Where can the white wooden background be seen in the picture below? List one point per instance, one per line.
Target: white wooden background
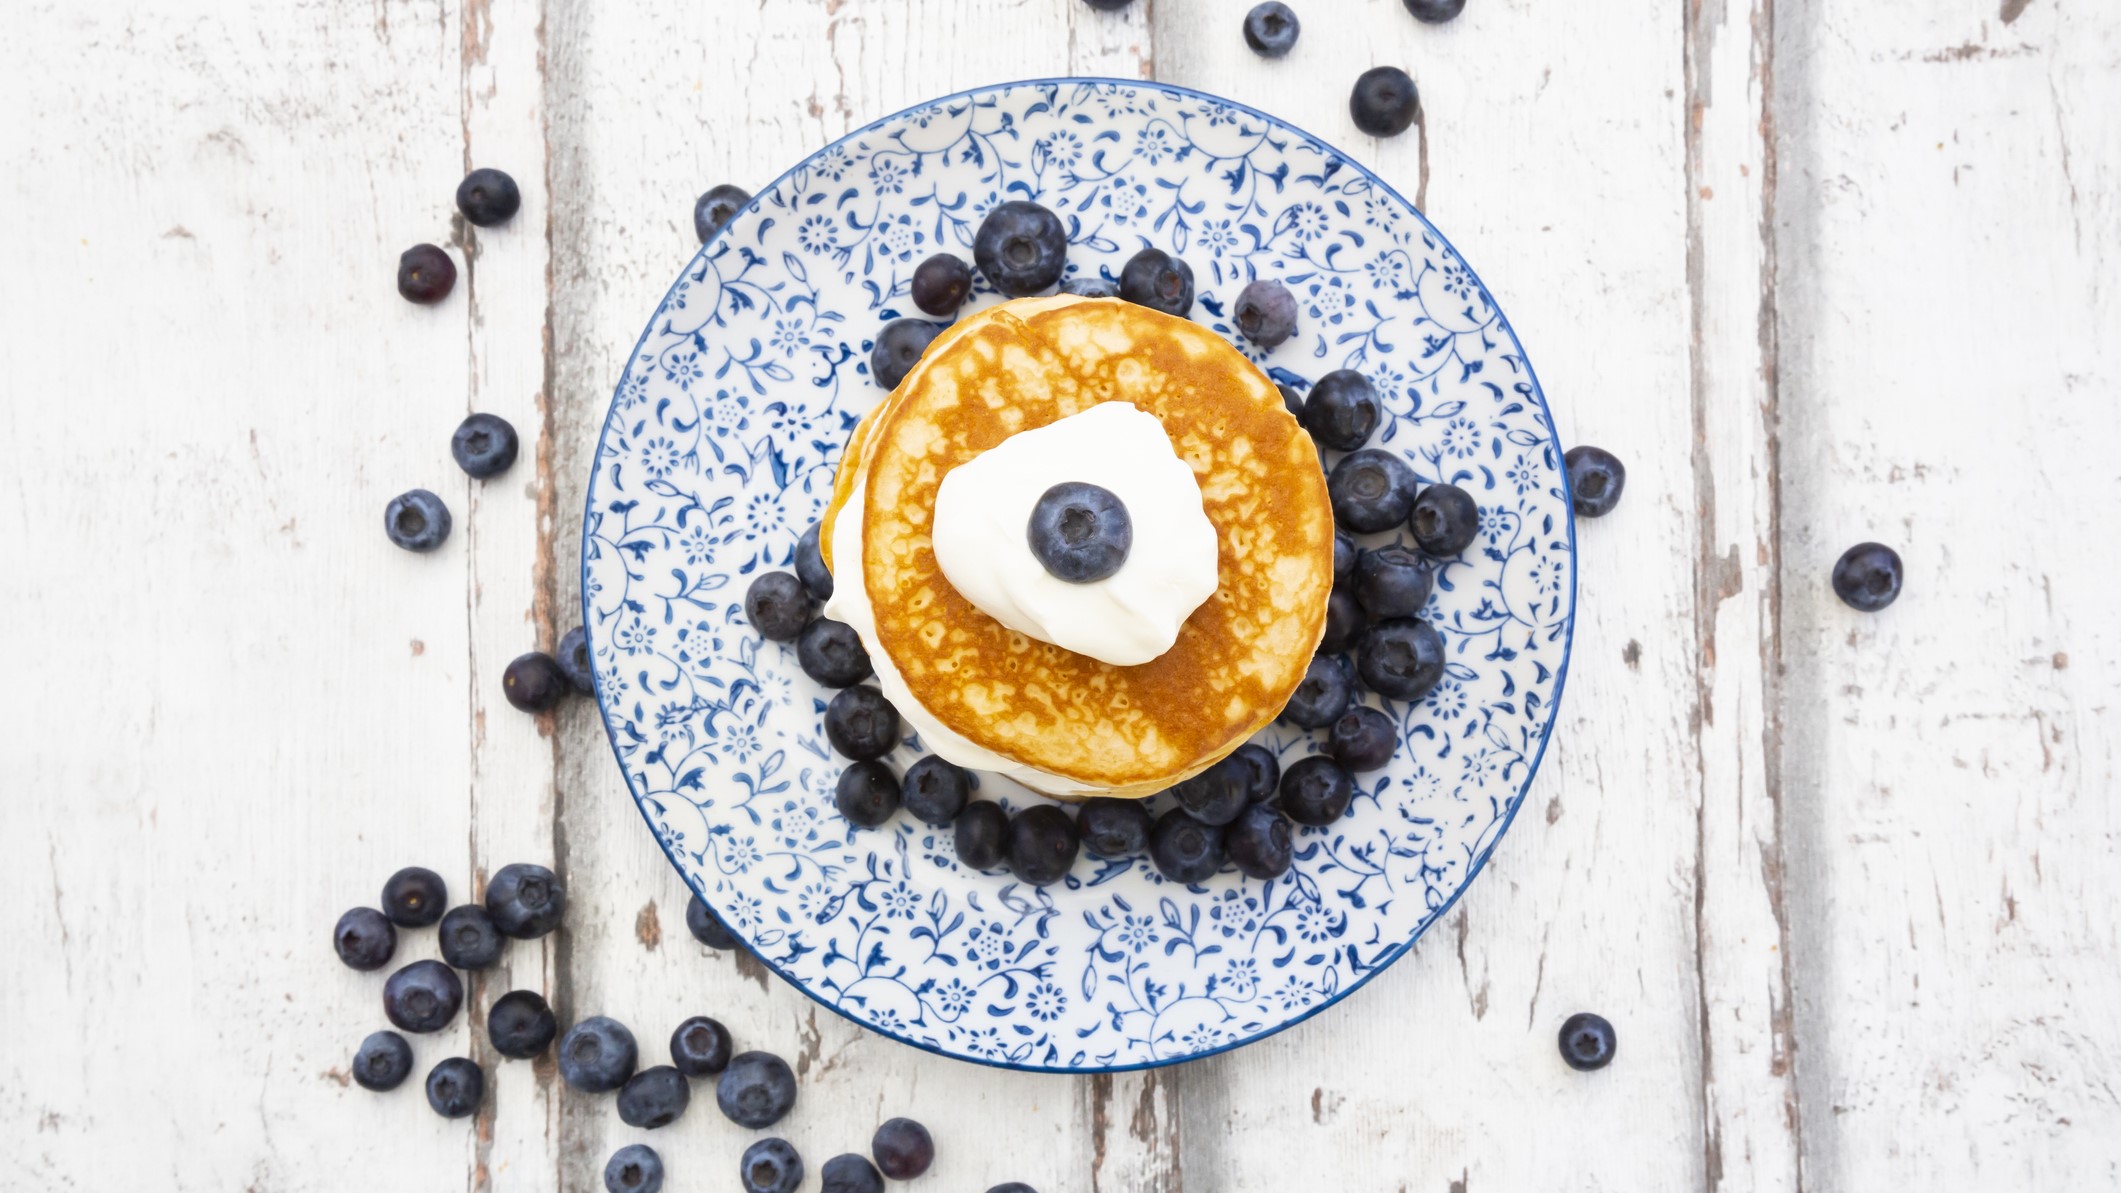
(1818, 270)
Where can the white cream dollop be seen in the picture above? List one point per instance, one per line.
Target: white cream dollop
(983, 512)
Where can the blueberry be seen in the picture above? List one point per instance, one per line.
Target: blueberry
(520, 1024)
(1401, 658)
(903, 1149)
(1291, 401)
(898, 349)
(982, 835)
(778, 606)
(700, 1047)
(525, 900)
(488, 196)
(756, 1090)
(1320, 696)
(941, 283)
(1596, 477)
(717, 207)
(861, 723)
(810, 564)
(1043, 843)
(1371, 490)
(1867, 577)
(1587, 1042)
(364, 939)
(575, 663)
(1155, 279)
(867, 793)
(707, 927)
(654, 1097)
(1345, 556)
(1341, 410)
(831, 653)
(1345, 622)
(1184, 849)
(484, 445)
(1090, 287)
(455, 1086)
(635, 1168)
(1445, 520)
(1021, 247)
(1384, 101)
(935, 790)
(1265, 311)
(1258, 843)
(415, 897)
(416, 520)
(1217, 794)
(425, 274)
(469, 939)
(771, 1166)
(597, 1055)
(1271, 29)
(1113, 829)
(1363, 738)
(1316, 791)
(383, 1061)
(1392, 582)
(1435, 12)
(422, 997)
(1080, 532)
(1108, 5)
(1012, 1187)
(849, 1173)
(533, 682)
(1262, 771)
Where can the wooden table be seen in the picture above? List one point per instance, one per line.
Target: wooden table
(1818, 270)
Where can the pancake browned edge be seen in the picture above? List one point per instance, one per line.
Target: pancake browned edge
(1127, 731)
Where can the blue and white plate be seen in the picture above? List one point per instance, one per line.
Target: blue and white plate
(720, 450)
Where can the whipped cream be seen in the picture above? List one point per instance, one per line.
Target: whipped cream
(983, 510)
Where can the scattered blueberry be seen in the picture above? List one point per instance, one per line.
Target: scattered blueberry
(717, 207)
(810, 564)
(1108, 5)
(1261, 770)
(635, 1168)
(1445, 520)
(416, 520)
(700, 1047)
(1363, 739)
(484, 445)
(1021, 247)
(597, 1055)
(1384, 101)
(1596, 477)
(1587, 1042)
(935, 790)
(1113, 829)
(1392, 582)
(903, 1149)
(383, 1061)
(1435, 12)
(1042, 844)
(1258, 843)
(867, 793)
(469, 939)
(771, 1166)
(521, 1024)
(1090, 287)
(707, 927)
(849, 1173)
(422, 997)
(982, 834)
(488, 196)
(898, 349)
(1271, 29)
(1315, 790)
(1371, 490)
(575, 663)
(415, 897)
(1341, 410)
(364, 939)
(425, 274)
(1401, 658)
(756, 1090)
(1012, 1187)
(1345, 556)
(654, 1097)
(1265, 311)
(1184, 849)
(1345, 622)
(1080, 532)
(941, 283)
(1320, 696)
(454, 1087)
(533, 682)
(1867, 577)
(526, 900)
(1155, 279)
(831, 653)
(1217, 794)
(778, 606)
(861, 723)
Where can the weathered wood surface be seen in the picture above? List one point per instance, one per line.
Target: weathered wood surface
(1849, 886)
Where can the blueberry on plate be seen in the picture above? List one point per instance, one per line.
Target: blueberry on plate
(484, 445)
(810, 564)
(1021, 247)
(1155, 279)
(635, 1168)
(1435, 12)
(575, 663)
(1596, 478)
(1316, 791)
(1392, 582)
(488, 196)
(1090, 287)
(1042, 845)
(1363, 739)
(903, 1148)
(425, 274)
(832, 653)
(1258, 843)
(1265, 311)
(778, 605)
(654, 1097)
(1320, 696)
(1183, 849)
(422, 997)
(1341, 410)
(415, 897)
(1345, 556)
(455, 1086)
(1261, 771)
(700, 1047)
(364, 939)
(1217, 794)
(1867, 577)
(898, 349)
(941, 284)
(1271, 29)
(861, 723)
(469, 939)
(383, 1061)
(416, 520)
(534, 682)
(1587, 1042)
(1113, 829)
(717, 207)
(1384, 101)
(849, 1173)
(597, 1055)
(756, 1090)
(1445, 520)
(935, 790)
(1291, 401)
(1345, 622)
(1401, 658)
(525, 900)
(1371, 490)
(982, 834)
(1080, 532)
(520, 1024)
(771, 1166)
(867, 793)
(707, 927)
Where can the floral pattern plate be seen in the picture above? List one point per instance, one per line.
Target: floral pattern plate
(720, 449)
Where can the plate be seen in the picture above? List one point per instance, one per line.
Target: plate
(720, 449)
